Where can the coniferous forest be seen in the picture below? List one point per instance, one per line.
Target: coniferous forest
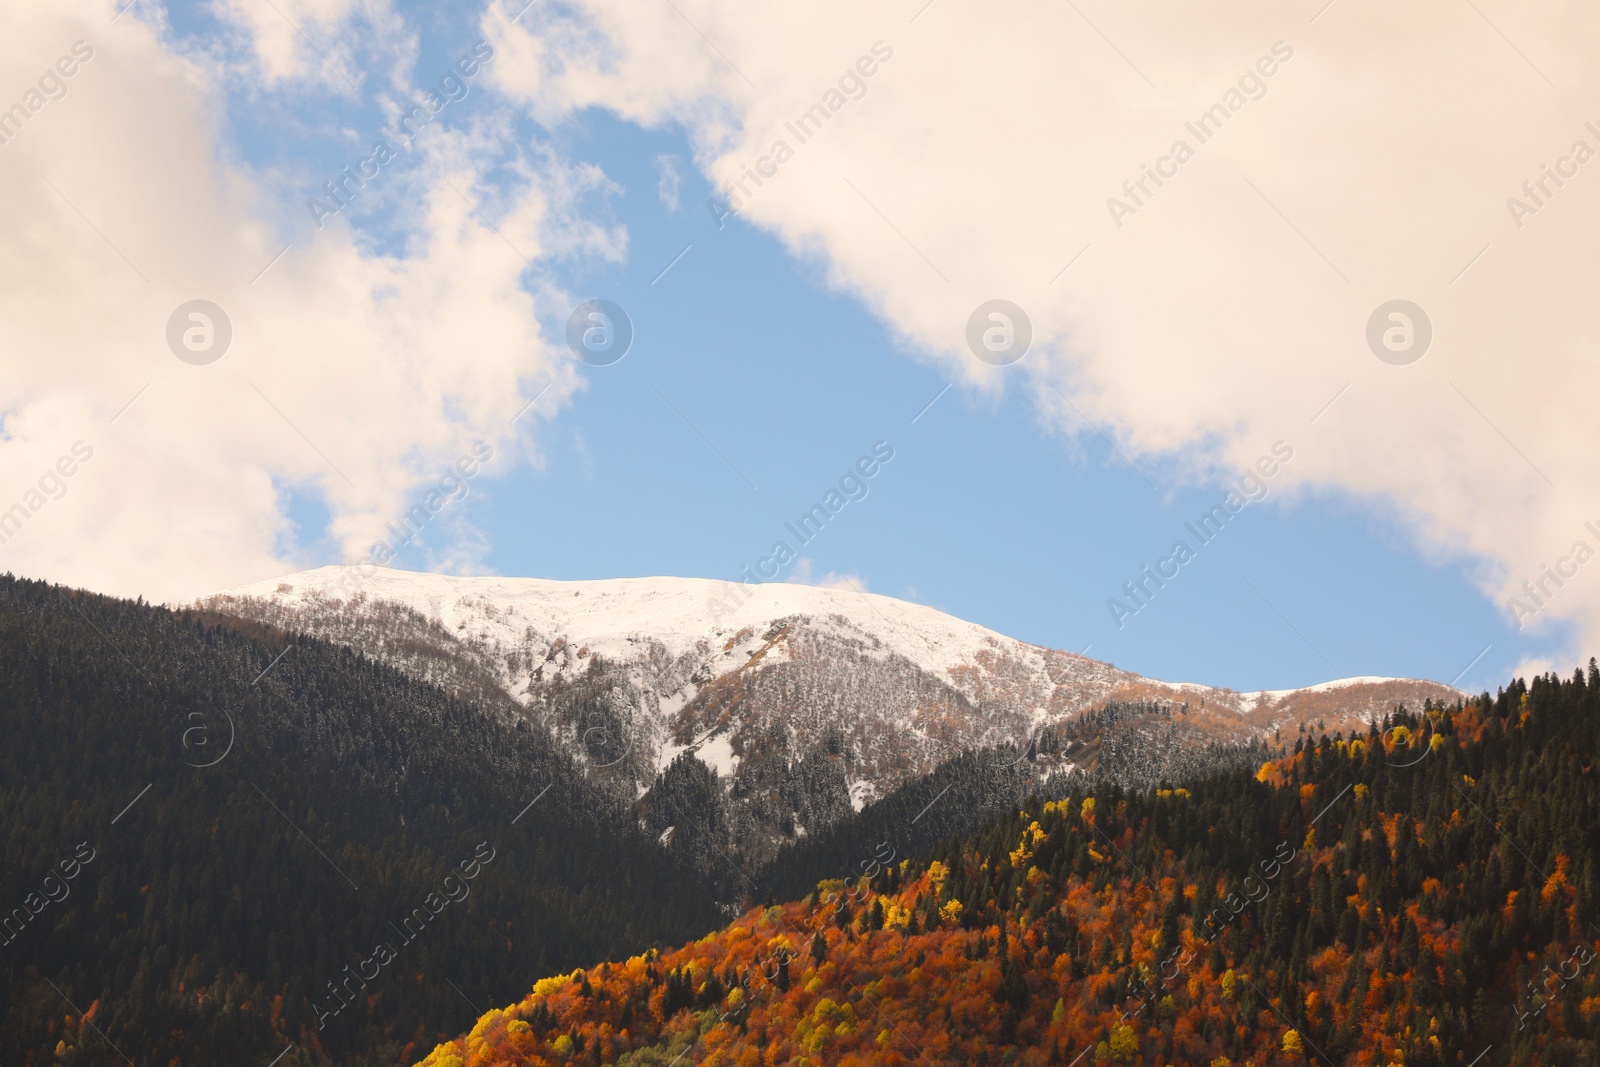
(180, 914)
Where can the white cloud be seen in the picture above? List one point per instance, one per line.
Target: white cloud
(802, 575)
(1533, 666)
(1230, 306)
(352, 374)
(669, 179)
(318, 42)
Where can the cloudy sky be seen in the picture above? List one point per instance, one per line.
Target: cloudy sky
(1344, 242)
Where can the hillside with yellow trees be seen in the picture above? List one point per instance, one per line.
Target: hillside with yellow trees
(1422, 894)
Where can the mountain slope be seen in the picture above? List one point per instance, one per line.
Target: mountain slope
(960, 796)
(209, 828)
(1421, 895)
(808, 702)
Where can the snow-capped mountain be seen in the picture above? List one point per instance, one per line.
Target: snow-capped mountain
(805, 701)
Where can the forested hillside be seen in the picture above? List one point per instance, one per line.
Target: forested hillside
(1132, 746)
(960, 796)
(220, 845)
(1423, 894)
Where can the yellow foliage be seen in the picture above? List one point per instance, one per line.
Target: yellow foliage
(484, 1023)
(951, 912)
(546, 986)
(1291, 1041)
(442, 1056)
(1124, 1043)
(937, 873)
(1266, 771)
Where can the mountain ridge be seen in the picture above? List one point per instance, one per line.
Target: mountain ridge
(620, 601)
(807, 702)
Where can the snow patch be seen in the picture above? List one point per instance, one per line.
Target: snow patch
(1320, 687)
(717, 753)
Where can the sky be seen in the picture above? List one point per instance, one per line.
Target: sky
(1305, 290)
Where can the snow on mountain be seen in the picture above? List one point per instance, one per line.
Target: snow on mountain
(615, 617)
(805, 701)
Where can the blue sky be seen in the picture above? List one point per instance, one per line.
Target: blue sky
(753, 384)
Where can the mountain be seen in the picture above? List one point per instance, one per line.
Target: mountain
(223, 842)
(807, 703)
(1421, 893)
